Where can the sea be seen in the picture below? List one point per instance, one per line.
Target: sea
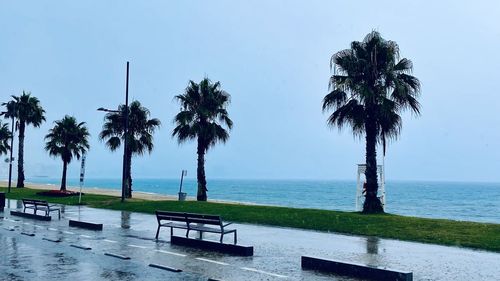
(465, 201)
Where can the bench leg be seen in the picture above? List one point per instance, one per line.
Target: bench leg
(221, 237)
(201, 235)
(157, 232)
(59, 213)
(171, 233)
(187, 233)
(235, 238)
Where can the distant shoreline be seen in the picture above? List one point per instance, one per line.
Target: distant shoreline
(150, 196)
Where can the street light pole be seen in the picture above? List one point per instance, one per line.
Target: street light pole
(125, 142)
(11, 149)
(125, 138)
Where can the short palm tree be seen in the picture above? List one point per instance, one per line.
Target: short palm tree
(370, 87)
(5, 136)
(67, 139)
(140, 132)
(203, 108)
(28, 111)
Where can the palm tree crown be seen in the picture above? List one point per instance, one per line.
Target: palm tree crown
(140, 133)
(67, 139)
(203, 116)
(370, 87)
(28, 111)
(5, 136)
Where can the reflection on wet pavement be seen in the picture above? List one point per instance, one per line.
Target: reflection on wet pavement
(277, 252)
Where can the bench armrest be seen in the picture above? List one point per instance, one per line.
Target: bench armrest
(227, 224)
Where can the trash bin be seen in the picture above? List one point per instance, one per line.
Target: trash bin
(182, 196)
(2, 201)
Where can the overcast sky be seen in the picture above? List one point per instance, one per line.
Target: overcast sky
(273, 58)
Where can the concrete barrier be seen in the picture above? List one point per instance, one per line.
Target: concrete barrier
(31, 216)
(355, 269)
(86, 225)
(164, 267)
(80, 247)
(117, 256)
(213, 246)
(52, 240)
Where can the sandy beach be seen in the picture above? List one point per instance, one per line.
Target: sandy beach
(101, 191)
(116, 192)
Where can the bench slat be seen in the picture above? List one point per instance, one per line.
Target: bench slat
(209, 229)
(170, 216)
(203, 221)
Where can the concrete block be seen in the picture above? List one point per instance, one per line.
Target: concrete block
(236, 250)
(86, 225)
(31, 216)
(355, 269)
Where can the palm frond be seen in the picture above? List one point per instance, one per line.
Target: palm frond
(26, 108)
(5, 136)
(67, 139)
(203, 113)
(370, 78)
(140, 128)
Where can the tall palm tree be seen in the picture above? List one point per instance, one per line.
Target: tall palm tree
(28, 111)
(140, 132)
(370, 87)
(203, 106)
(67, 139)
(5, 136)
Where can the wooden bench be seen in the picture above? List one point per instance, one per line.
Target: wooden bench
(40, 205)
(196, 222)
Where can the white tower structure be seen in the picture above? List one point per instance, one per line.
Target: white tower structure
(359, 186)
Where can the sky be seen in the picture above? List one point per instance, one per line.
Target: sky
(273, 58)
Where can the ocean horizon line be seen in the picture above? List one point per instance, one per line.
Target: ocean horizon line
(31, 178)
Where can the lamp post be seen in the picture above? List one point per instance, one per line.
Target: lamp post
(125, 136)
(11, 149)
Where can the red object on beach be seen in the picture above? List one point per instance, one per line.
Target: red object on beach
(58, 193)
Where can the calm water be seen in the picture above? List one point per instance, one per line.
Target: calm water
(451, 200)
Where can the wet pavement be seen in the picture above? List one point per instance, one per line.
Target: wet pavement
(276, 255)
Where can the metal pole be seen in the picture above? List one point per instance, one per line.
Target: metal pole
(125, 141)
(82, 175)
(182, 178)
(10, 159)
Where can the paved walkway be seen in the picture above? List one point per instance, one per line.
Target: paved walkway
(277, 252)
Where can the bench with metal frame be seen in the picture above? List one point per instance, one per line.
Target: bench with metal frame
(40, 205)
(195, 222)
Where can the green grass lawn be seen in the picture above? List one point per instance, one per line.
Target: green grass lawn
(437, 231)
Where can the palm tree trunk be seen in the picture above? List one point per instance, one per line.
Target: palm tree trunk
(20, 155)
(200, 173)
(63, 180)
(372, 203)
(128, 192)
